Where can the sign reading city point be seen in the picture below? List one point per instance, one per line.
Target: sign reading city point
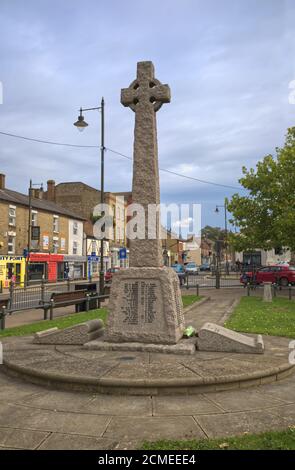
(145, 301)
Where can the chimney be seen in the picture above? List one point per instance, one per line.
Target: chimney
(2, 181)
(51, 190)
(38, 193)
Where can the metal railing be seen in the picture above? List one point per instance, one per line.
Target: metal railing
(29, 297)
(212, 280)
(253, 289)
(50, 305)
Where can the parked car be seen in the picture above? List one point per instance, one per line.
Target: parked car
(180, 271)
(205, 267)
(282, 274)
(192, 268)
(109, 273)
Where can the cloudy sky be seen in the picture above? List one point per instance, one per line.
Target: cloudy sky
(228, 63)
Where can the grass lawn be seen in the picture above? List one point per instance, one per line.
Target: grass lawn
(252, 315)
(188, 300)
(281, 440)
(73, 319)
(61, 322)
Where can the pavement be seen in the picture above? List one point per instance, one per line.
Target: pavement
(34, 417)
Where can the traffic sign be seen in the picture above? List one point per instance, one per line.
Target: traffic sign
(122, 253)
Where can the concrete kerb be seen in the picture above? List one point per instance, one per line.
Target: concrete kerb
(196, 305)
(229, 311)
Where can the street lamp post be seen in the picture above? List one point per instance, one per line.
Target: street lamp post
(224, 206)
(81, 124)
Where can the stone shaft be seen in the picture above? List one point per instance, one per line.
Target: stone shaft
(145, 96)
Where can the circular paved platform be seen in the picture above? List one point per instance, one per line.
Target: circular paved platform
(137, 373)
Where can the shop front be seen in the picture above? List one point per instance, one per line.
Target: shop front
(75, 266)
(119, 257)
(12, 268)
(93, 265)
(48, 266)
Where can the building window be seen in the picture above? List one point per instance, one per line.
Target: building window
(75, 228)
(11, 245)
(56, 223)
(34, 220)
(75, 248)
(55, 246)
(93, 246)
(12, 216)
(118, 234)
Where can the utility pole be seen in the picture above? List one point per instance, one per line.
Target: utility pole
(29, 232)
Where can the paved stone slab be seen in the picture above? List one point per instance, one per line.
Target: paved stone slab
(212, 337)
(21, 438)
(110, 357)
(232, 424)
(54, 421)
(123, 406)
(154, 428)
(282, 390)
(74, 442)
(56, 400)
(77, 334)
(183, 405)
(287, 412)
(240, 400)
(19, 391)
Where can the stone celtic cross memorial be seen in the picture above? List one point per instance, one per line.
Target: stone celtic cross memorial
(145, 302)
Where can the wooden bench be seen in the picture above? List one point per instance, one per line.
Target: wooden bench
(64, 299)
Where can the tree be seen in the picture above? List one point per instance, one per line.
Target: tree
(266, 216)
(212, 233)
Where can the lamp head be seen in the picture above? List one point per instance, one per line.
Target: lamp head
(81, 123)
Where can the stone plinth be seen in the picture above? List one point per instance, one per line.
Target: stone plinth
(183, 347)
(145, 306)
(212, 337)
(267, 293)
(77, 334)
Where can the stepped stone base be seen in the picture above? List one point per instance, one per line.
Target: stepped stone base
(185, 346)
(212, 337)
(76, 335)
(145, 307)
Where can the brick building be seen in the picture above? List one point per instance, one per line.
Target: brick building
(82, 199)
(60, 235)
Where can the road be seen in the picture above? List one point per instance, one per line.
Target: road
(207, 280)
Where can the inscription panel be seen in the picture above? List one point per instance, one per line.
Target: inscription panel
(140, 304)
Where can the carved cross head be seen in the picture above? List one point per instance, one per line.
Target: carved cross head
(145, 90)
